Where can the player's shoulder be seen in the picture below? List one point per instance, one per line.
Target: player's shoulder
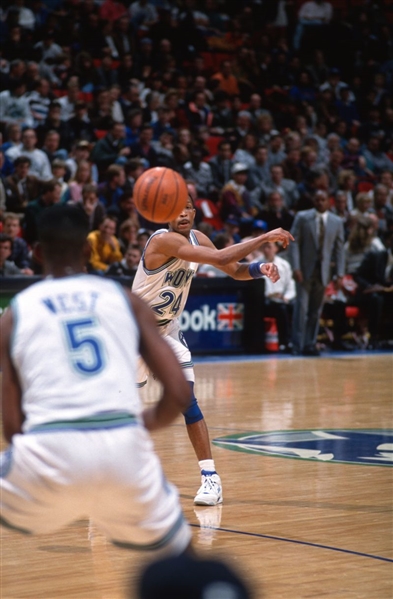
(200, 237)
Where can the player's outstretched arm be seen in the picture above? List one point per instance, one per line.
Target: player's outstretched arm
(161, 360)
(11, 402)
(175, 245)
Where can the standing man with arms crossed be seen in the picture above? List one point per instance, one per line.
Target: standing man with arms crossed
(163, 279)
(71, 412)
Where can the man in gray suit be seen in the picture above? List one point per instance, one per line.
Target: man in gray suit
(319, 243)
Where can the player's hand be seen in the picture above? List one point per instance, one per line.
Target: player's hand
(279, 235)
(298, 276)
(270, 271)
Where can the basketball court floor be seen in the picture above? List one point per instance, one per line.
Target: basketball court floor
(304, 447)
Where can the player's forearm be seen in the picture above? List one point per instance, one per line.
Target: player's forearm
(238, 271)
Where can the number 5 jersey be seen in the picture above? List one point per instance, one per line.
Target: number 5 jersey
(75, 347)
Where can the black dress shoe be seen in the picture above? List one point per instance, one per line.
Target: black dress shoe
(311, 351)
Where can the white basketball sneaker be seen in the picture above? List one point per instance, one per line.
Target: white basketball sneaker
(210, 491)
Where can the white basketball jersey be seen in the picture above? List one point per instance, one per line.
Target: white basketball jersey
(75, 346)
(166, 288)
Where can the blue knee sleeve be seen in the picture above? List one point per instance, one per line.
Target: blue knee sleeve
(193, 413)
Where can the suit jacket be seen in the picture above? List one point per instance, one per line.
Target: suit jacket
(303, 252)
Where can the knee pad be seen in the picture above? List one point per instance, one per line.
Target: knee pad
(193, 413)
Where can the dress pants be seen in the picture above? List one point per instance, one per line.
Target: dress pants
(307, 312)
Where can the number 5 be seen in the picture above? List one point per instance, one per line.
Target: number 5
(86, 350)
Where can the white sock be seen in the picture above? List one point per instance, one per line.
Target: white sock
(207, 465)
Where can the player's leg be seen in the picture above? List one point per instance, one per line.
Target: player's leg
(210, 492)
(36, 488)
(137, 508)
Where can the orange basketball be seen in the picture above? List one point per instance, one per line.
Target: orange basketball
(160, 194)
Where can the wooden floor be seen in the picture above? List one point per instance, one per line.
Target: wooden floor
(296, 528)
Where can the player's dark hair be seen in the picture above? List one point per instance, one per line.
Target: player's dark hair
(62, 231)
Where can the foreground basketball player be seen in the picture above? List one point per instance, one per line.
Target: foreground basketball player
(79, 438)
(163, 280)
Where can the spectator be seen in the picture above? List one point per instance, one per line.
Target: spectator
(110, 192)
(285, 187)
(105, 248)
(225, 80)
(110, 148)
(80, 126)
(319, 240)
(13, 137)
(92, 207)
(59, 171)
(279, 296)
(383, 210)
(106, 73)
(199, 172)
(346, 183)
(52, 147)
(221, 165)
(246, 149)
(127, 267)
(198, 111)
(7, 268)
(364, 205)
(162, 124)
(14, 105)
(386, 179)
(21, 188)
(128, 233)
(67, 103)
(39, 101)
(235, 200)
(359, 243)
(374, 291)
(376, 160)
(143, 14)
(312, 14)
(53, 122)
(81, 151)
(275, 214)
(39, 163)
(334, 169)
(51, 193)
(20, 252)
(124, 210)
(78, 182)
(291, 166)
(143, 148)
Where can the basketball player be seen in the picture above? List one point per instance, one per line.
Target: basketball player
(163, 280)
(79, 438)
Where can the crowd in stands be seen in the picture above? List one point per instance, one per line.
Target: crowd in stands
(259, 105)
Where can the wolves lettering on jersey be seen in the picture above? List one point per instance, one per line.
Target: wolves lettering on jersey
(166, 288)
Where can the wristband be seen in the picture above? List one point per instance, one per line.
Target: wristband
(254, 270)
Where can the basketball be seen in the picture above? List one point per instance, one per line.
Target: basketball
(160, 194)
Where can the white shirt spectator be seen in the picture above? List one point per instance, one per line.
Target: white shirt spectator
(67, 108)
(39, 105)
(40, 166)
(15, 109)
(285, 286)
(316, 11)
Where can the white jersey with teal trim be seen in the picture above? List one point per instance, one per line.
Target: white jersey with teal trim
(166, 288)
(75, 347)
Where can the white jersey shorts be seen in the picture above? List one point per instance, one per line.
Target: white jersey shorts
(112, 475)
(175, 338)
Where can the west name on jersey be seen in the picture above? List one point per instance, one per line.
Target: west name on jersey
(71, 303)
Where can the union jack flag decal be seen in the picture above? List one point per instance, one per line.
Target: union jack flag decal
(230, 317)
